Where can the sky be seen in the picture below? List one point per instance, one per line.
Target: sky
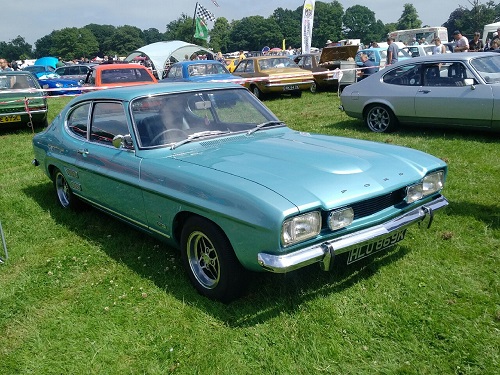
(32, 21)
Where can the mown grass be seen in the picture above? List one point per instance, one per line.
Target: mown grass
(83, 293)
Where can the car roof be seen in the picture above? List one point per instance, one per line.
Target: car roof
(15, 72)
(447, 56)
(193, 62)
(131, 92)
(117, 66)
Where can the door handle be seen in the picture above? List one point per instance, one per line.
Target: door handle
(83, 152)
(424, 91)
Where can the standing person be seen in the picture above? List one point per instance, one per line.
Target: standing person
(392, 52)
(241, 56)
(462, 43)
(4, 65)
(439, 47)
(476, 44)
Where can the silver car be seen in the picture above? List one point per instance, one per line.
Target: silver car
(453, 89)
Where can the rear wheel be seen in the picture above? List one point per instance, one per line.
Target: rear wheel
(209, 259)
(380, 119)
(65, 196)
(255, 90)
(314, 87)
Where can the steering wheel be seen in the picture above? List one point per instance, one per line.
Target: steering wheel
(163, 133)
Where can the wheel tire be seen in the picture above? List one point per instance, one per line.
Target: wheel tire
(255, 90)
(209, 259)
(314, 87)
(64, 195)
(380, 119)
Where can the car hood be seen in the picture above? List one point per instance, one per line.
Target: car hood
(311, 170)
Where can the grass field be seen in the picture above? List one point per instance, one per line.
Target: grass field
(85, 294)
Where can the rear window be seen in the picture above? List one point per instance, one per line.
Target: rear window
(125, 75)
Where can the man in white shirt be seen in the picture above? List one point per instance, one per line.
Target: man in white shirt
(462, 43)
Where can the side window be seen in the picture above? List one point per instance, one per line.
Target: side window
(108, 120)
(241, 67)
(308, 62)
(407, 75)
(446, 74)
(249, 68)
(77, 120)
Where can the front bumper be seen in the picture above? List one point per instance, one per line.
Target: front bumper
(324, 253)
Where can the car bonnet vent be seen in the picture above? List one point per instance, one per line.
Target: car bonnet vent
(223, 140)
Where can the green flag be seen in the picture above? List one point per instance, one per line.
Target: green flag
(201, 29)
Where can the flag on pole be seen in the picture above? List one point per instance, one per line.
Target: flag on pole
(215, 3)
(204, 13)
(307, 25)
(201, 29)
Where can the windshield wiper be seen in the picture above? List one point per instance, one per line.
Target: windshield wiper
(263, 125)
(198, 135)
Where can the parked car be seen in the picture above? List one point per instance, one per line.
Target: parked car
(198, 71)
(21, 100)
(231, 63)
(75, 71)
(422, 50)
(207, 168)
(116, 75)
(52, 82)
(273, 74)
(379, 56)
(310, 61)
(451, 89)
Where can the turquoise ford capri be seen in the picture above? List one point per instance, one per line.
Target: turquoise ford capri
(210, 170)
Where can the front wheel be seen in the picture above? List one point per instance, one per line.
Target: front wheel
(380, 119)
(209, 259)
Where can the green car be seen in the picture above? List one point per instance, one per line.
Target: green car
(210, 170)
(22, 100)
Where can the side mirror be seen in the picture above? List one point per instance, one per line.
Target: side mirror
(124, 141)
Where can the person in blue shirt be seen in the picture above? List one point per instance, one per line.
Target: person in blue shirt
(368, 67)
(392, 52)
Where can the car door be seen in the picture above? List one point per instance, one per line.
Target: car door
(109, 176)
(444, 99)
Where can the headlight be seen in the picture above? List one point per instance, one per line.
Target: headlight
(59, 84)
(430, 184)
(300, 228)
(340, 218)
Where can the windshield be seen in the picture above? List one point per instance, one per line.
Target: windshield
(171, 119)
(276, 63)
(488, 68)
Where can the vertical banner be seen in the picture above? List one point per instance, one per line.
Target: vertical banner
(307, 25)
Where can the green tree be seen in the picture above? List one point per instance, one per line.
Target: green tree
(327, 22)
(124, 40)
(42, 45)
(289, 22)
(152, 35)
(409, 19)
(470, 20)
(254, 32)
(16, 49)
(220, 35)
(101, 33)
(72, 42)
(181, 29)
(359, 22)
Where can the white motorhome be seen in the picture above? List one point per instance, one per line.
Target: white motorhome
(429, 33)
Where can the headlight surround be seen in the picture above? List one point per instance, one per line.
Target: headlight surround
(430, 184)
(300, 228)
(339, 219)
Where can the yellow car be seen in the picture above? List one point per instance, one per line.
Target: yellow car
(273, 74)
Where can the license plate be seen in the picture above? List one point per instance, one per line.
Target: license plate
(371, 248)
(291, 87)
(10, 118)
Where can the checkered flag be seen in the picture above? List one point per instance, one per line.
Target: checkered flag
(204, 14)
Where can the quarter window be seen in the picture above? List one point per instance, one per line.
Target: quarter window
(78, 119)
(407, 75)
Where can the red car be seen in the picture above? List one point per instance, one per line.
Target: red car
(116, 75)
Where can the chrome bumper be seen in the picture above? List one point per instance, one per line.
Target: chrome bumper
(324, 253)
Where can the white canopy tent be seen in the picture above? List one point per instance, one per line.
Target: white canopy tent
(490, 28)
(164, 53)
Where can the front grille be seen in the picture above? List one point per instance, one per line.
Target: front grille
(373, 205)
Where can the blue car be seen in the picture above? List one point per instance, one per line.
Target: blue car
(52, 82)
(198, 71)
(210, 170)
(379, 56)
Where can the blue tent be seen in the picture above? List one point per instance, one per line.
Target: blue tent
(47, 61)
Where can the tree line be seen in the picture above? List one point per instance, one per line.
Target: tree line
(250, 33)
